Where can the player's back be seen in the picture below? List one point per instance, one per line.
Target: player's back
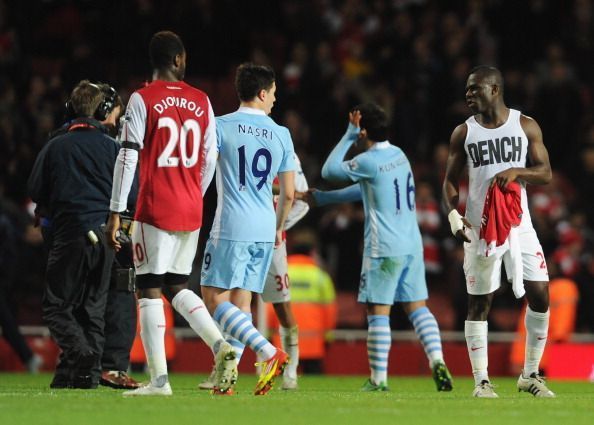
(391, 227)
(177, 128)
(79, 167)
(253, 149)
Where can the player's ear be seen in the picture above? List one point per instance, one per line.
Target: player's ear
(262, 95)
(177, 60)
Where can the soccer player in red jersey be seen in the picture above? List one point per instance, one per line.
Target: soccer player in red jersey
(169, 127)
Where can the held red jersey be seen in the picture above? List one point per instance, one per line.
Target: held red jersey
(173, 123)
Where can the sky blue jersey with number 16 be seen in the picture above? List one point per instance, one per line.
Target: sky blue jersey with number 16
(253, 149)
(387, 188)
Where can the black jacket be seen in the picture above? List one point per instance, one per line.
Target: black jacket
(72, 178)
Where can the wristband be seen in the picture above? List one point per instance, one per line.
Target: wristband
(456, 223)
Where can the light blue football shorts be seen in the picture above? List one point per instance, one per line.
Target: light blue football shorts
(387, 280)
(236, 264)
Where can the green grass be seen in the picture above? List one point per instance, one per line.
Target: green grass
(27, 399)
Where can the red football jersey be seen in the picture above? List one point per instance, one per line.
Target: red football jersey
(174, 125)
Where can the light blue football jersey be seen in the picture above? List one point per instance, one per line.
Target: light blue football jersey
(253, 149)
(388, 193)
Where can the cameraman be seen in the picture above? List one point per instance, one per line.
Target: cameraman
(71, 182)
(120, 312)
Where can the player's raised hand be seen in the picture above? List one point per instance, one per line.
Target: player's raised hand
(111, 231)
(355, 118)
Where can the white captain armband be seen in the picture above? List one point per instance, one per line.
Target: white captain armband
(456, 223)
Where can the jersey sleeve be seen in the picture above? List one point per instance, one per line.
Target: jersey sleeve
(288, 162)
(123, 176)
(346, 194)
(219, 133)
(132, 134)
(210, 150)
(359, 168)
(134, 123)
(333, 168)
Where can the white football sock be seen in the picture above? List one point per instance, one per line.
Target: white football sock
(537, 327)
(152, 333)
(192, 308)
(290, 344)
(476, 342)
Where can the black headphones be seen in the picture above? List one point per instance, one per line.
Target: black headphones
(109, 101)
(105, 107)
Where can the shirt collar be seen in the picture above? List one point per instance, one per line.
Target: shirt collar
(253, 111)
(380, 145)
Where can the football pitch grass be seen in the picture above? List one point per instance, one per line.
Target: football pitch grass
(27, 399)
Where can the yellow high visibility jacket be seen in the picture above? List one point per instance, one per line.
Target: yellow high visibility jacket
(313, 300)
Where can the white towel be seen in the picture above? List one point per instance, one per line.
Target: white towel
(511, 252)
(517, 267)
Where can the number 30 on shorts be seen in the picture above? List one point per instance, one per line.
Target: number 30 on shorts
(282, 282)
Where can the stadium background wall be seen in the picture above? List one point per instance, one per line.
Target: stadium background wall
(348, 356)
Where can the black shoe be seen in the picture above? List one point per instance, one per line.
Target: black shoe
(60, 382)
(85, 362)
(84, 382)
(83, 376)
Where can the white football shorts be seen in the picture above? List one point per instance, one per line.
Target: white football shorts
(159, 251)
(276, 286)
(483, 274)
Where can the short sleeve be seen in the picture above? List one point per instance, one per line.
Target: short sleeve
(288, 162)
(134, 122)
(219, 131)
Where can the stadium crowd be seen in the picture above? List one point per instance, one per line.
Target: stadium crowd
(410, 56)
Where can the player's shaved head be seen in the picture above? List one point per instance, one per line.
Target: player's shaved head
(163, 48)
(488, 74)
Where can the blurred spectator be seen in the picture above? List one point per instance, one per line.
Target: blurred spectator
(583, 175)
(341, 227)
(568, 252)
(558, 103)
(585, 281)
(429, 218)
(313, 301)
(13, 225)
